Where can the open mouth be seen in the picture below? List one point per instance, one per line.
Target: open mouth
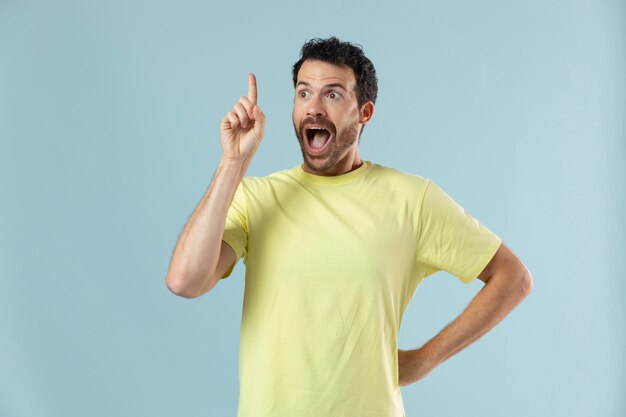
(317, 138)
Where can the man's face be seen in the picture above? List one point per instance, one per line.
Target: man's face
(326, 116)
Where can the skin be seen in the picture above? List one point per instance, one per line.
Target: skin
(201, 257)
(326, 93)
(242, 128)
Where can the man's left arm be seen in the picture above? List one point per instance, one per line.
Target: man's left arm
(507, 283)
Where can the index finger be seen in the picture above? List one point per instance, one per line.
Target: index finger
(252, 88)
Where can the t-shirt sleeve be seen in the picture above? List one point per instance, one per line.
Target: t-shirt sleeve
(236, 227)
(450, 239)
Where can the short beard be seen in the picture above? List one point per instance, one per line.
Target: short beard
(343, 140)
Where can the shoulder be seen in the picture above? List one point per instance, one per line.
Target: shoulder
(270, 181)
(399, 179)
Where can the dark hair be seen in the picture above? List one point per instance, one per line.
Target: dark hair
(336, 52)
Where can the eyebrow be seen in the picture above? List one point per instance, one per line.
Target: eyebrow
(339, 85)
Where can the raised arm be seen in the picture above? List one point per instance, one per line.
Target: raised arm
(201, 256)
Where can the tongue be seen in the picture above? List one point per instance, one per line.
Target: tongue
(320, 138)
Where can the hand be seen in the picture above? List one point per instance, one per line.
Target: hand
(242, 128)
(413, 365)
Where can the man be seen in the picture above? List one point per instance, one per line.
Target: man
(334, 250)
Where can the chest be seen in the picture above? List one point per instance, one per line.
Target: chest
(354, 237)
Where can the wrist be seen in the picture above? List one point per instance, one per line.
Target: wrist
(429, 355)
(225, 160)
(239, 165)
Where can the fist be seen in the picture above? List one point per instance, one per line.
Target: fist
(413, 365)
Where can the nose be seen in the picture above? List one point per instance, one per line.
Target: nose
(315, 107)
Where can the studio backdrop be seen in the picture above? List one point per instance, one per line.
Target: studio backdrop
(109, 137)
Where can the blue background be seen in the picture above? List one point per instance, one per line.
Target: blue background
(109, 122)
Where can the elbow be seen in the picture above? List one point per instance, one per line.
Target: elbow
(179, 286)
(526, 283)
(516, 284)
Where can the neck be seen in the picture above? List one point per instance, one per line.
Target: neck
(349, 163)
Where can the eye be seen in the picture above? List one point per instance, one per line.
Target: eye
(334, 95)
(302, 94)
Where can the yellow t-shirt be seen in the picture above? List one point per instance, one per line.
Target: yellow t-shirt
(331, 265)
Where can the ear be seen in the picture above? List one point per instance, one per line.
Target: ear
(367, 111)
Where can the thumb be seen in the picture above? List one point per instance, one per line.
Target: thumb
(259, 121)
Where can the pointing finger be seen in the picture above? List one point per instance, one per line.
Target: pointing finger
(252, 88)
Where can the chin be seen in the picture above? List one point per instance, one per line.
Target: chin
(315, 164)
(318, 164)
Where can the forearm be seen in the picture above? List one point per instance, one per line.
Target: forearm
(492, 304)
(197, 250)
